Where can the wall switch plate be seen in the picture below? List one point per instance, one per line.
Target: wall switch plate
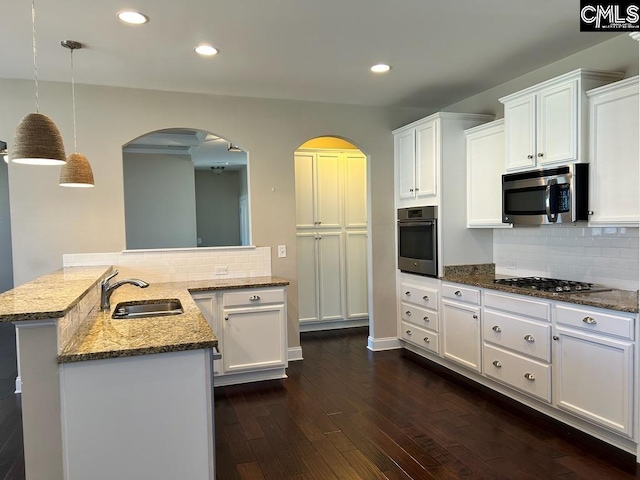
(511, 264)
(221, 270)
(199, 241)
(282, 251)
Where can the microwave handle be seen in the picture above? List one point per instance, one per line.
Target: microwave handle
(552, 217)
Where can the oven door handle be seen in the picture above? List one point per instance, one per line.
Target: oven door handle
(427, 223)
(552, 217)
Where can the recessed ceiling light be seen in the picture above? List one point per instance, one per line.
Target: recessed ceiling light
(132, 17)
(206, 50)
(380, 68)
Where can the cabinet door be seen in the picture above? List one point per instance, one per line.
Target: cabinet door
(485, 166)
(307, 277)
(614, 151)
(356, 281)
(253, 339)
(405, 146)
(208, 305)
(557, 124)
(304, 164)
(520, 124)
(329, 197)
(594, 379)
(461, 334)
(355, 201)
(330, 275)
(427, 160)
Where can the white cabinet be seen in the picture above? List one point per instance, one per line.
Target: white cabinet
(485, 166)
(331, 209)
(419, 304)
(613, 154)
(417, 154)
(251, 326)
(546, 124)
(595, 370)
(461, 332)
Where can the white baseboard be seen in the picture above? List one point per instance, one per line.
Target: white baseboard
(378, 344)
(294, 354)
(333, 325)
(18, 385)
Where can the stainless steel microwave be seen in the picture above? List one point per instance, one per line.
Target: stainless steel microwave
(546, 196)
(417, 240)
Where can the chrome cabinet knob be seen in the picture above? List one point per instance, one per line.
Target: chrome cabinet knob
(426, 339)
(425, 298)
(496, 328)
(529, 376)
(529, 157)
(529, 338)
(226, 317)
(541, 154)
(589, 320)
(475, 317)
(497, 364)
(408, 294)
(408, 313)
(555, 337)
(411, 189)
(254, 298)
(425, 319)
(408, 332)
(458, 293)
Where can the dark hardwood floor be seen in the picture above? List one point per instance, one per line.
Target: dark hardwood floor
(348, 413)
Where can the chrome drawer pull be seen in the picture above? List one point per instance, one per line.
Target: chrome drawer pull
(426, 319)
(496, 328)
(497, 364)
(475, 317)
(529, 376)
(529, 338)
(408, 294)
(254, 298)
(425, 298)
(458, 293)
(426, 340)
(589, 320)
(408, 332)
(408, 313)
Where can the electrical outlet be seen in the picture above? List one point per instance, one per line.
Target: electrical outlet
(221, 270)
(199, 241)
(282, 251)
(511, 264)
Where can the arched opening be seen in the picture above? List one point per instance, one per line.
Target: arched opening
(332, 234)
(185, 188)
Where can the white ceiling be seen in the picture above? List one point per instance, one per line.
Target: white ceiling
(320, 50)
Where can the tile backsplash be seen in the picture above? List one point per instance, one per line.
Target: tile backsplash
(182, 264)
(606, 255)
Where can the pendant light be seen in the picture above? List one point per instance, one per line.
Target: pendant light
(77, 171)
(37, 140)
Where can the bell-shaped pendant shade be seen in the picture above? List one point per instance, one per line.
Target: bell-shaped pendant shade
(76, 172)
(38, 142)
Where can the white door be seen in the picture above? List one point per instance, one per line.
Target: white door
(356, 281)
(307, 244)
(426, 160)
(329, 196)
(520, 124)
(405, 145)
(355, 186)
(557, 124)
(304, 164)
(594, 379)
(461, 334)
(330, 275)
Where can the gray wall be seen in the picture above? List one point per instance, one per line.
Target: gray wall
(160, 202)
(6, 264)
(217, 208)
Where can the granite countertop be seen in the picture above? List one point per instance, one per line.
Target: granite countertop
(483, 276)
(50, 296)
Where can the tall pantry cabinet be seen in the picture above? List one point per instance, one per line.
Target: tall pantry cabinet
(331, 223)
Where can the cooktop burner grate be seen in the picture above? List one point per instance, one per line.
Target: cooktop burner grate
(551, 285)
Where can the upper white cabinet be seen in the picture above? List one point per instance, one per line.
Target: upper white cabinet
(546, 124)
(613, 154)
(485, 166)
(417, 153)
(318, 192)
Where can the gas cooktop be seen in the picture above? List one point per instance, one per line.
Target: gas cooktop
(551, 285)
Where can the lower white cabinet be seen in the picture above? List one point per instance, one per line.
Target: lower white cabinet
(251, 326)
(461, 339)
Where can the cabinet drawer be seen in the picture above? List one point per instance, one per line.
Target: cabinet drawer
(519, 372)
(423, 296)
(252, 297)
(462, 294)
(596, 321)
(420, 337)
(419, 316)
(522, 306)
(529, 338)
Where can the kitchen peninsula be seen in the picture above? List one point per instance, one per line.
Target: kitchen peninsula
(95, 389)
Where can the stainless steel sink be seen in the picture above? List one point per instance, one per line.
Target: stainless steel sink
(147, 308)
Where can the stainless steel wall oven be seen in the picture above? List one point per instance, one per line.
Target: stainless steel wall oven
(418, 240)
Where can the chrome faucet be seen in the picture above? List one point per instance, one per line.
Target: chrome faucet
(106, 290)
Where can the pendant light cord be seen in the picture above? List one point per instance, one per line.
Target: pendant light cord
(35, 53)
(73, 102)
